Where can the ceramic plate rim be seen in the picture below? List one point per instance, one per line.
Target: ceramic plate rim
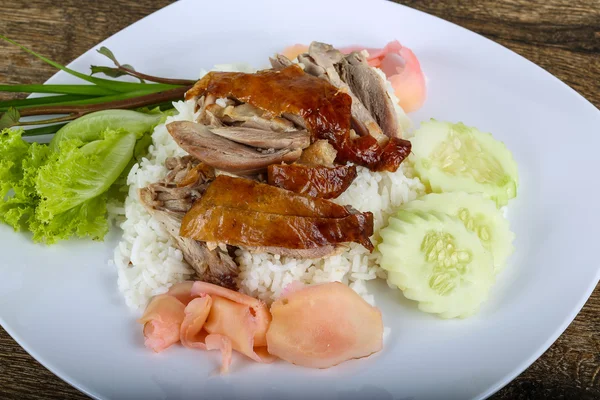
(507, 378)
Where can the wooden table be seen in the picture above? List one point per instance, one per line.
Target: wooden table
(561, 36)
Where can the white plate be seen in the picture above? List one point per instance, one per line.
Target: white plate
(62, 305)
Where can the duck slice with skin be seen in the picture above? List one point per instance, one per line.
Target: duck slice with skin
(250, 195)
(242, 193)
(246, 228)
(246, 213)
(315, 181)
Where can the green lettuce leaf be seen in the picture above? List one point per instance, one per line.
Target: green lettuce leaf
(19, 163)
(58, 195)
(85, 220)
(77, 174)
(12, 150)
(91, 126)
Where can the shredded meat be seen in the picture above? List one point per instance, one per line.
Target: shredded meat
(168, 201)
(186, 181)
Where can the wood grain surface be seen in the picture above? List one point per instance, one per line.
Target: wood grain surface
(563, 37)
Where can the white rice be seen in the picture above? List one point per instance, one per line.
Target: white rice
(148, 262)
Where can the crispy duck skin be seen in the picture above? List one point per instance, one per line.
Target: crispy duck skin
(240, 227)
(325, 109)
(315, 181)
(289, 90)
(243, 212)
(246, 194)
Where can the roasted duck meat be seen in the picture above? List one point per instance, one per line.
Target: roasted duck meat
(309, 101)
(212, 146)
(246, 213)
(240, 227)
(168, 201)
(373, 111)
(315, 181)
(246, 194)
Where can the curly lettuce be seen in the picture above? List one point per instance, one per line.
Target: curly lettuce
(19, 163)
(60, 194)
(79, 172)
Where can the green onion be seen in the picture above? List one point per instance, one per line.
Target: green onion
(44, 130)
(125, 101)
(5, 105)
(74, 101)
(103, 83)
(89, 90)
(88, 100)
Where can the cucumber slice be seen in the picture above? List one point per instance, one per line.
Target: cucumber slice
(478, 214)
(437, 262)
(455, 157)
